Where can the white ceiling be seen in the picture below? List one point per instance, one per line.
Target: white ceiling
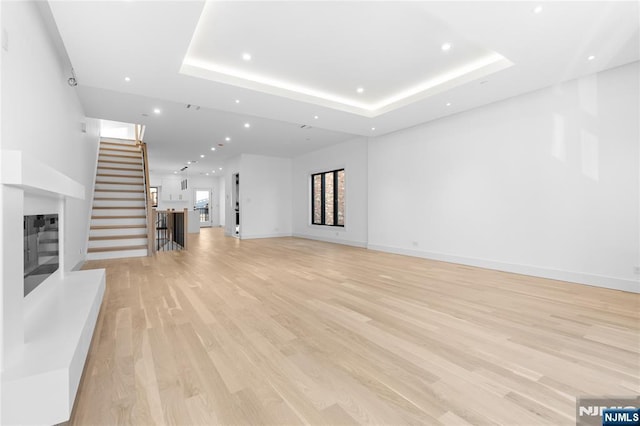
(308, 58)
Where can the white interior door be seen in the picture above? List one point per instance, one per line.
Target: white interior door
(202, 204)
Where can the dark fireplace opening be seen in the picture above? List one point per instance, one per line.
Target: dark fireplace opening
(41, 255)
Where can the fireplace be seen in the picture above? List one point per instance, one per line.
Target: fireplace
(40, 249)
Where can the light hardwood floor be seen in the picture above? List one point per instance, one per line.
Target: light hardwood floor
(291, 331)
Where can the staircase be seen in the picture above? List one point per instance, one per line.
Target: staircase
(118, 220)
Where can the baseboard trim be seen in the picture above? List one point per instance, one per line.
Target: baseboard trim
(361, 244)
(574, 277)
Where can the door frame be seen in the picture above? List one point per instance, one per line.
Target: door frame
(209, 223)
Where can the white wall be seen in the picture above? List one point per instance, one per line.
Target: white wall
(352, 156)
(544, 184)
(42, 115)
(265, 196)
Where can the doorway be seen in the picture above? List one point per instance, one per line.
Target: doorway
(202, 204)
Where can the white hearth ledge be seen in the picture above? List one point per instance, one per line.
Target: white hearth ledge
(31, 174)
(42, 387)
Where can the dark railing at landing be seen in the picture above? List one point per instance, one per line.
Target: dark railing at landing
(170, 230)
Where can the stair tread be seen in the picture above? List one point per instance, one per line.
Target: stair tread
(140, 191)
(119, 217)
(117, 199)
(120, 176)
(124, 169)
(118, 207)
(118, 248)
(117, 162)
(103, 154)
(134, 150)
(118, 237)
(100, 227)
(108, 182)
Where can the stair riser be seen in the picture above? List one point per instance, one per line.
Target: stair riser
(131, 148)
(118, 203)
(101, 194)
(120, 187)
(118, 212)
(118, 222)
(115, 232)
(136, 173)
(127, 160)
(128, 166)
(118, 243)
(116, 254)
(124, 179)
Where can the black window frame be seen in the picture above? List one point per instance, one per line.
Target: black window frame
(322, 198)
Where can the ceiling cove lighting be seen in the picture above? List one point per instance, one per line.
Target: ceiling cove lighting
(484, 65)
(537, 9)
(445, 47)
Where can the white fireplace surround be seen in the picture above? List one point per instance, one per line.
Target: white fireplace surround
(45, 336)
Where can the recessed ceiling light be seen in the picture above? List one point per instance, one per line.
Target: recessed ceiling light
(220, 168)
(175, 172)
(448, 103)
(157, 110)
(373, 128)
(445, 47)
(213, 148)
(127, 79)
(315, 117)
(537, 9)
(188, 162)
(360, 90)
(213, 171)
(591, 58)
(247, 125)
(201, 155)
(227, 139)
(237, 101)
(207, 174)
(246, 56)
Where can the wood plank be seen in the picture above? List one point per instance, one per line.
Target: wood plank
(117, 237)
(119, 217)
(294, 331)
(118, 207)
(119, 248)
(108, 182)
(117, 226)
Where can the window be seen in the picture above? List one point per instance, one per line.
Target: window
(327, 198)
(153, 191)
